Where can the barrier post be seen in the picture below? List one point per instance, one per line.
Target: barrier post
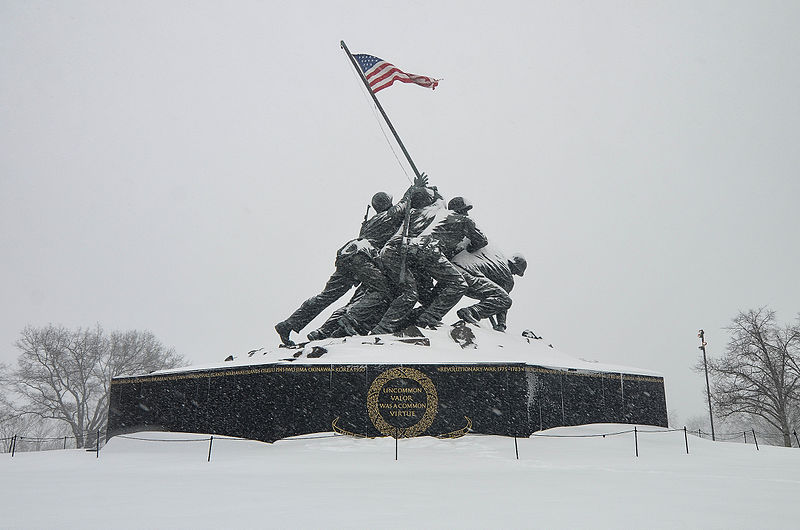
(745, 436)
(210, 443)
(65, 442)
(636, 439)
(755, 440)
(796, 438)
(13, 445)
(516, 449)
(686, 439)
(98, 443)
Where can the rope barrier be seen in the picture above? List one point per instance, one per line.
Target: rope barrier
(738, 433)
(582, 435)
(701, 433)
(52, 438)
(59, 439)
(230, 438)
(750, 434)
(661, 430)
(162, 439)
(738, 436)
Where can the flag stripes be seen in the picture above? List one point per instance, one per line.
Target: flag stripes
(381, 74)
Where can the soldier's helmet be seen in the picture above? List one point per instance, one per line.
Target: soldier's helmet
(381, 201)
(460, 205)
(422, 198)
(518, 264)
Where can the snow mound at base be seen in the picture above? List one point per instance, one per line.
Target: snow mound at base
(491, 347)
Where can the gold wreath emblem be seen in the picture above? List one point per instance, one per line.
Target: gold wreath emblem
(431, 406)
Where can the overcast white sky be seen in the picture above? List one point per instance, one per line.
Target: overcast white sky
(191, 167)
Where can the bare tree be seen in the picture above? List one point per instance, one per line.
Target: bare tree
(6, 416)
(66, 374)
(33, 433)
(758, 375)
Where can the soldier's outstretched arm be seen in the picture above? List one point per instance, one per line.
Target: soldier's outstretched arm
(420, 183)
(476, 238)
(398, 210)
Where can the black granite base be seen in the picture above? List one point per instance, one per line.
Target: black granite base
(270, 402)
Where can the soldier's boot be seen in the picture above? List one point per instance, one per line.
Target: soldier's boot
(467, 315)
(380, 330)
(347, 325)
(338, 333)
(345, 328)
(284, 329)
(428, 322)
(316, 335)
(327, 328)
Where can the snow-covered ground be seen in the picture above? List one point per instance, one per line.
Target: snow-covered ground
(471, 482)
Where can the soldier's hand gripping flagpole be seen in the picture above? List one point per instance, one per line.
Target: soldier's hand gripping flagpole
(382, 75)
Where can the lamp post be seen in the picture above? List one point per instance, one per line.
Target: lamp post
(703, 344)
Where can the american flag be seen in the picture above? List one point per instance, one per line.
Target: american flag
(381, 74)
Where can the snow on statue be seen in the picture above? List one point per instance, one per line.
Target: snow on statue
(412, 263)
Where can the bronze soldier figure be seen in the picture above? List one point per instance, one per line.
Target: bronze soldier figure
(353, 267)
(497, 268)
(433, 236)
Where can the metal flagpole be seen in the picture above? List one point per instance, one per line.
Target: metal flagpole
(406, 220)
(380, 108)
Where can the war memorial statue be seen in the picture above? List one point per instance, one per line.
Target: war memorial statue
(385, 363)
(396, 265)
